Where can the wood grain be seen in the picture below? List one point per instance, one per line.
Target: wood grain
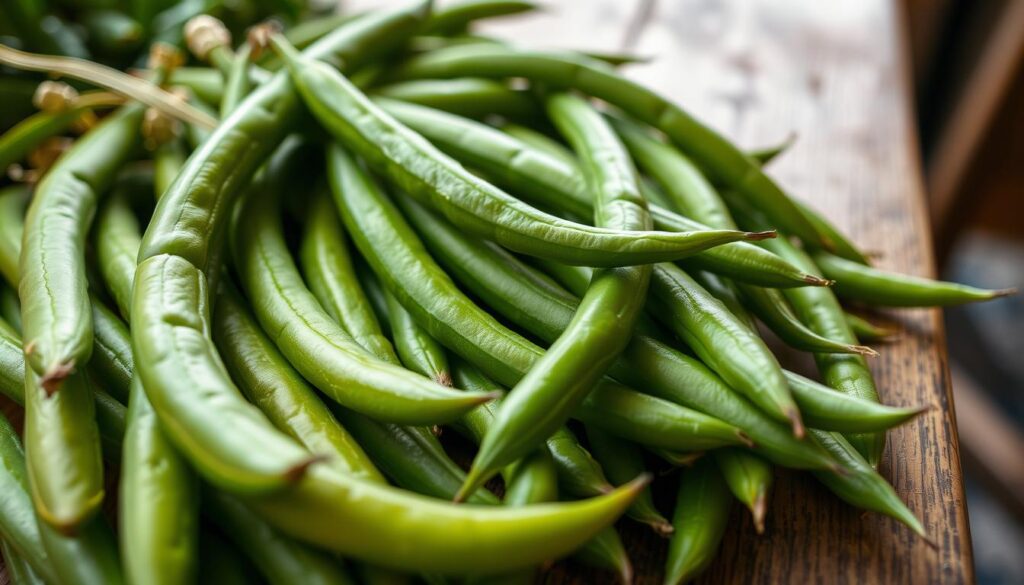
(834, 73)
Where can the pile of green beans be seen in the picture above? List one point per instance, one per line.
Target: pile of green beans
(379, 299)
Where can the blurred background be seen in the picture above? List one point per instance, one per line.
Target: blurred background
(968, 64)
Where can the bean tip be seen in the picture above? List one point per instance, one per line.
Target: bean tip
(1003, 292)
(485, 397)
(639, 483)
(813, 280)
(796, 421)
(662, 527)
(626, 571)
(443, 378)
(742, 436)
(297, 471)
(863, 350)
(758, 511)
(474, 479)
(758, 236)
(55, 376)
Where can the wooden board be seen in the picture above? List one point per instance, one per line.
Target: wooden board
(834, 73)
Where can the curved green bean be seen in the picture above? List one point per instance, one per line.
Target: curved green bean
(826, 409)
(424, 172)
(865, 284)
(418, 350)
(624, 461)
(470, 97)
(117, 241)
(700, 517)
(749, 478)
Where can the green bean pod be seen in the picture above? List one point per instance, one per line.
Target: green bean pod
(710, 150)
(863, 486)
(117, 241)
(62, 445)
(270, 382)
(412, 458)
(281, 560)
(700, 517)
(844, 248)
(89, 557)
(723, 342)
(159, 501)
(456, 17)
(111, 363)
(426, 173)
(55, 307)
(237, 82)
(827, 409)
(192, 393)
(317, 346)
(624, 461)
(30, 132)
(606, 315)
(18, 527)
(749, 478)
(867, 331)
(865, 284)
(536, 140)
(647, 363)
(205, 83)
(417, 349)
(664, 424)
(328, 271)
(553, 183)
(470, 97)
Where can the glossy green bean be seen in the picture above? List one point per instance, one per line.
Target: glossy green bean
(538, 141)
(470, 97)
(158, 501)
(606, 551)
(316, 345)
(723, 342)
(18, 527)
(270, 382)
(550, 182)
(863, 487)
(767, 154)
(192, 393)
(411, 457)
(237, 81)
(710, 150)
(700, 517)
(624, 461)
(426, 173)
(826, 409)
(168, 160)
(456, 17)
(117, 239)
(417, 349)
(55, 308)
(501, 281)
(865, 284)
(281, 560)
(607, 312)
(749, 478)
(327, 268)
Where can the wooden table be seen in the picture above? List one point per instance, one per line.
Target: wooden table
(834, 73)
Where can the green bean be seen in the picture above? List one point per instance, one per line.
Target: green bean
(117, 239)
(192, 393)
(168, 159)
(30, 132)
(159, 499)
(378, 303)
(417, 349)
(728, 293)
(280, 559)
(88, 558)
(702, 510)
(863, 487)
(53, 287)
(327, 267)
(470, 97)
(624, 461)
(18, 570)
(869, 285)
(206, 83)
(665, 424)
(606, 315)
(579, 475)
(13, 201)
(843, 246)
(424, 172)
(723, 342)
(62, 443)
(411, 457)
(677, 458)
(749, 478)
(455, 18)
(710, 150)
(111, 363)
(18, 527)
(551, 183)
(315, 344)
(867, 331)
(237, 82)
(10, 308)
(647, 363)
(826, 409)
(606, 551)
(537, 141)
(767, 154)
(269, 382)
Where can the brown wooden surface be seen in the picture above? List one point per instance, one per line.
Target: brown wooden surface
(834, 73)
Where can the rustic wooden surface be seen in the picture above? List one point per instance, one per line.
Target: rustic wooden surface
(834, 73)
